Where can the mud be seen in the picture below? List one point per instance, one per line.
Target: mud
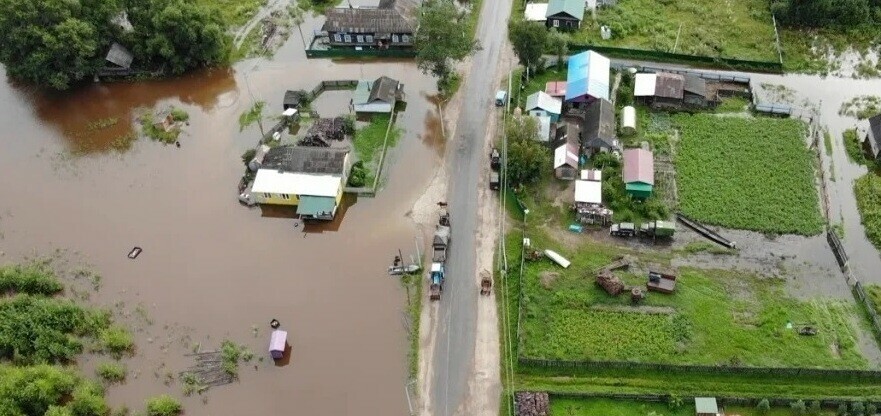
(212, 269)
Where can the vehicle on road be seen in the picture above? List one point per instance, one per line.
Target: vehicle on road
(437, 281)
(439, 245)
(495, 159)
(501, 98)
(658, 229)
(494, 182)
(486, 283)
(623, 229)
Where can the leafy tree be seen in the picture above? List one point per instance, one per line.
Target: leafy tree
(178, 34)
(820, 13)
(527, 157)
(441, 40)
(857, 408)
(842, 409)
(558, 43)
(763, 407)
(252, 115)
(54, 42)
(798, 407)
(871, 409)
(814, 408)
(298, 17)
(529, 40)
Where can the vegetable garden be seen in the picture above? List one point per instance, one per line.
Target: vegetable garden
(754, 174)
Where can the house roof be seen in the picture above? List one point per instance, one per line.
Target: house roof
(590, 192)
(542, 100)
(669, 85)
(599, 122)
(574, 8)
(536, 12)
(695, 85)
(556, 88)
(544, 128)
(260, 154)
(874, 134)
(302, 159)
(384, 89)
(316, 205)
(588, 74)
(639, 166)
(706, 405)
(362, 93)
(119, 56)
(644, 85)
(294, 98)
(591, 175)
(566, 154)
(350, 20)
(277, 182)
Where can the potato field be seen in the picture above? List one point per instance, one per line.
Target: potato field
(747, 173)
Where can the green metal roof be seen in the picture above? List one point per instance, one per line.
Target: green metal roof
(362, 93)
(315, 205)
(706, 405)
(574, 8)
(638, 186)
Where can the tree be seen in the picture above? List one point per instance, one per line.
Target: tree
(441, 40)
(798, 407)
(527, 158)
(871, 409)
(763, 407)
(178, 34)
(558, 43)
(529, 40)
(298, 16)
(254, 114)
(54, 42)
(814, 408)
(820, 13)
(842, 409)
(858, 409)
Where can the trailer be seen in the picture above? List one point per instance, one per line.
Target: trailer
(440, 243)
(494, 182)
(658, 229)
(623, 229)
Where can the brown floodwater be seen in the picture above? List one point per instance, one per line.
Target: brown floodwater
(212, 269)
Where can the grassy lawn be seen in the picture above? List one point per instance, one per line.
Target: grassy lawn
(715, 317)
(369, 142)
(868, 193)
(610, 407)
(754, 174)
(730, 29)
(235, 13)
(536, 83)
(853, 147)
(809, 51)
(875, 295)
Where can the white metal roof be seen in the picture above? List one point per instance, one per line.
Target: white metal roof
(645, 85)
(563, 155)
(544, 128)
(435, 267)
(289, 112)
(535, 12)
(544, 101)
(590, 192)
(276, 182)
(592, 175)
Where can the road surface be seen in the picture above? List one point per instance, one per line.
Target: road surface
(457, 317)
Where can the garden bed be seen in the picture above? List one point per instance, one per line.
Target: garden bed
(369, 142)
(747, 173)
(714, 318)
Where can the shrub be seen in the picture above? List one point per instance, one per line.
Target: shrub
(763, 407)
(33, 279)
(842, 409)
(179, 114)
(349, 124)
(814, 408)
(117, 340)
(871, 409)
(111, 372)
(248, 156)
(798, 407)
(858, 409)
(55, 323)
(88, 400)
(163, 405)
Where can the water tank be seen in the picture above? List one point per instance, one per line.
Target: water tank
(628, 120)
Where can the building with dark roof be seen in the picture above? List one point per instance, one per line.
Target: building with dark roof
(598, 133)
(389, 26)
(564, 14)
(674, 91)
(300, 159)
(378, 96)
(872, 142)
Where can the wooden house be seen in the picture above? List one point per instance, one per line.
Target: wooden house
(587, 78)
(564, 14)
(540, 103)
(598, 132)
(666, 90)
(386, 27)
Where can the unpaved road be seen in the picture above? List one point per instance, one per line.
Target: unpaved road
(453, 370)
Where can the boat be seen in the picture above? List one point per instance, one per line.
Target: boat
(399, 270)
(557, 258)
(134, 253)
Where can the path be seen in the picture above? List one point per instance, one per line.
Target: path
(263, 12)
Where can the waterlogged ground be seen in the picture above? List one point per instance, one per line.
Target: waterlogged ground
(210, 268)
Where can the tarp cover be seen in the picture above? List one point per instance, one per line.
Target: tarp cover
(278, 341)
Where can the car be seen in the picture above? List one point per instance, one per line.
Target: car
(495, 159)
(501, 98)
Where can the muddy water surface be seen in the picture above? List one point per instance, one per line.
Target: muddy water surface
(212, 269)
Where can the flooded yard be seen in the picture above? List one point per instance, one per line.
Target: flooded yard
(212, 269)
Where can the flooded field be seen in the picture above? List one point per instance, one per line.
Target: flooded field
(212, 269)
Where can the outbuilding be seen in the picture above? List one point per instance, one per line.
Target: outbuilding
(587, 77)
(872, 142)
(379, 96)
(639, 172)
(540, 103)
(706, 406)
(556, 89)
(598, 133)
(566, 162)
(565, 14)
(544, 128)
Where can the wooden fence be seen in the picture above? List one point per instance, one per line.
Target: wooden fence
(346, 84)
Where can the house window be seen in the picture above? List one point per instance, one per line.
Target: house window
(338, 38)
(267, 195)
(360, 38)
(348, 38)
(395, 39)
(369, 38)
(405, 38)
(285, 197)
(555, 22)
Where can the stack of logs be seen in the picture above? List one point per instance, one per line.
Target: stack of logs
(532, 404)
(611, 283)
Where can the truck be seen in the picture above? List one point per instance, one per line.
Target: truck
(439, 245)
(495, 159)
(658, 229)
(623, 229)
(494, 182)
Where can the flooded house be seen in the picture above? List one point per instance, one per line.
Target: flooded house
(639, 172)
(379, 96)
(294, 99)
(310, 178)
(872, 142)
(390, 26)
(598, 133)
(540, 103)
(566, 162)
(564, 14)
(587, 78)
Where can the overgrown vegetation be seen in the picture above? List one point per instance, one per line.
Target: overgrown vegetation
(874, 292)
(117, 341)
(358, 175)
(868, 194)
(369, 144)
(33, 278)
(111, 372)
(754, 174)
(733, 105)
(527, 157)
(861, 107)
(231, 354)
(696, 247)
(615, 196)
(164, 126)
(854, 147)
(163, 405)
(440, 40)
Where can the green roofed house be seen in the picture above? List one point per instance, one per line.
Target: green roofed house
(706, 406)
(564, 14)
(639, 172)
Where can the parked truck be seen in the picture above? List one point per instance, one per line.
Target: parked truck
(495, 159)
(439, 245)
(623, 229)
(658, 229)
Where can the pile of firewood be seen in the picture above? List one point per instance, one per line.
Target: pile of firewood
(611, 283)
(532, 404)
(328, 129)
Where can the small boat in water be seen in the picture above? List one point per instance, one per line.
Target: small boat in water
(400, 270)
(134, 253)
(557, 258)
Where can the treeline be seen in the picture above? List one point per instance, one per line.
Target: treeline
(827, 13)
(56, 43)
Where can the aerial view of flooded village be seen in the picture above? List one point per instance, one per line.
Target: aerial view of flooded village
(440, 207)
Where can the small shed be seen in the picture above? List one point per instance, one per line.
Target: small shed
(540, 103)
(378, 96)
(628, 120)
(556, 89)
(872, 142)
(278, 343)
(294, 99)
(566, 162)
(588, 192)
(544, 128)
(644, 85)
(119, 56)
(536, 12)
(639, 172)
(706, 406)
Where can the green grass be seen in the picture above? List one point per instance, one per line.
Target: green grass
(163, 405)
(874, 292)
(111, 372)
(536, 82)
(413, 283)
(117, 341)
(747, 173)
(741, 29)
(695, 247)
(714, 317)
(827, 142)
(610, 407)
(861, 107)
(868, 193)
(369, 142)
(733, 105)
(806, 50)
(854, 148)
(235, 13)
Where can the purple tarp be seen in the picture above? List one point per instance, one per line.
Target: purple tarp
(277, 343)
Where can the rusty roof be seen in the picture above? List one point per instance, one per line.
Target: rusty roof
(669, 85)
(349, 20)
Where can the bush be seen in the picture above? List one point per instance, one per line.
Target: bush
(33, 279)
(871, 409)
(55, 323)
(814, 408)
(798, 407)
(868, 193)
(842, 409)
(857, 409)
(248, 156)
(111, 372)
(117, 340)
(349, 124)
(179, 114)
(88, 400)
(163, 405)
(763, 407)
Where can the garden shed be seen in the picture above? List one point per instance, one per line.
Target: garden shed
(598, 133)
(564, 14)
(587, 77)
(872, 143)
(378, 96)
(294, 99)
(566, 162)
(639, 172)
(540, 103)
(706, 406)
(544, 128)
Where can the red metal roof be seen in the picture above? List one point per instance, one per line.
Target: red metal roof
(639, 166)
(556, 88)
